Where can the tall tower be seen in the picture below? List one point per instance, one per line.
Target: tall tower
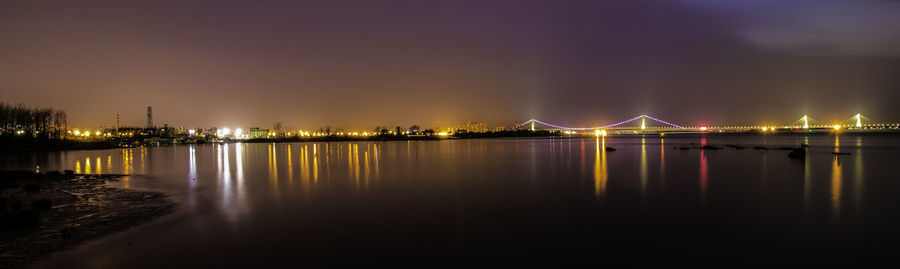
(643, 125)
(149, 117)
(117, 123)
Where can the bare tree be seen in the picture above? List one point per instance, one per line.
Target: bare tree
(44, 119)
(59, 121)
(5, 114)
(20, 117)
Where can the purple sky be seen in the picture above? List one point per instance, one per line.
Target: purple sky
(359, 64)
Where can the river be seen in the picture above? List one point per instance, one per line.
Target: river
(471, 202)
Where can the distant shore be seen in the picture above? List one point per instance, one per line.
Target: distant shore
(45, 213)
(19, 144)
(22, 145)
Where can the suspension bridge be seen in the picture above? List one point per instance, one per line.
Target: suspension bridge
(650, 124)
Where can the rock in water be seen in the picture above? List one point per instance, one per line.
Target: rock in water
(610, 149)
(798, 153)
(32, 187)
(41, 204)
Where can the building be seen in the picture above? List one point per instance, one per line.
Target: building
(471, 127)
(257, 133)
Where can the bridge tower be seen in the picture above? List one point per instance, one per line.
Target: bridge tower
(643, 125)
(858, 120)
(805, 122)
(532, 126)
(149, 117)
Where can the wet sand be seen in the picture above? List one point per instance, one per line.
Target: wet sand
(45, 213)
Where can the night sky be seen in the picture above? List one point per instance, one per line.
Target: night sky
(360, 64)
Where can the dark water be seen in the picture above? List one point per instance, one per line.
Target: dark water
(517, 201)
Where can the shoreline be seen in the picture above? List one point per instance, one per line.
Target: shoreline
(82, 145)
(42, 214)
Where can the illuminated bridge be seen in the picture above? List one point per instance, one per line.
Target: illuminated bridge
(650, 124)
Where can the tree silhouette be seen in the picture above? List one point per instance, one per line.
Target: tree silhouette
(32, 120)
(277, 127)
(60, 122)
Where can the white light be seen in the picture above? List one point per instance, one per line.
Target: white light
(223, 132)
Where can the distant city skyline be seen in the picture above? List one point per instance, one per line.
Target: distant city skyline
(356, 65)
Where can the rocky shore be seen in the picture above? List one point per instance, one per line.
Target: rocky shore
(44, 213)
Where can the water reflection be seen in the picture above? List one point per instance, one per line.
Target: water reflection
(485, 170)
(273, 170)
(351, 168)
(837, 144)
(192, 176)
(835, 186)
(327, 161)
(239, 158)
(375, 154)
(290, 165)
(315, 166)
(704, 169)
(643, 169)
(807, 182)
(366, 167)
(128, 161)
(192, 164)
(662, 164)
(143, 154)
(836, 179)
(807, 178)
(227, 192)
(600, 173)
(304, 167)
(858, 174)
(355, 165)
(240, 195)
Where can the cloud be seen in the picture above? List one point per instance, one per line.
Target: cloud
(826, 27)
